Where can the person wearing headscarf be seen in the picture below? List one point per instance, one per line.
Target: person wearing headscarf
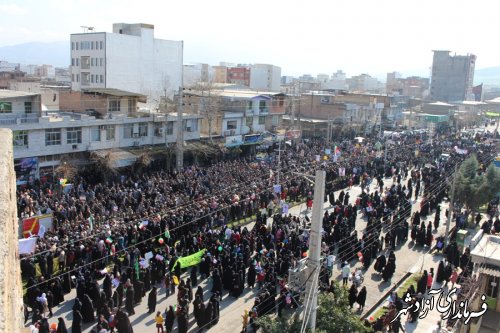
(169, 319)
(130, 301)
(87, 309)
(61, 326)
(123, 324)
(44, 326)
(152, 300)
(76, 324)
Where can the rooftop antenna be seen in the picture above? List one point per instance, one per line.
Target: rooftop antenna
(86, 28)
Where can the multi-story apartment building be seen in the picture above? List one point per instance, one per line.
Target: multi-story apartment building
(265, 77)
(43, 138)
(239, 75)
(452, 77)
(128, 59)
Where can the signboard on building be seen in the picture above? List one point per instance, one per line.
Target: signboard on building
(436, 118)
(292, 134)
(234, 141)
(252, 139)
(26, 170)
(5, 107)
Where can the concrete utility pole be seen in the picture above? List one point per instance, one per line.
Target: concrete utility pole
(180, 128)
(450, 213)
(313, 262)
(279, 164)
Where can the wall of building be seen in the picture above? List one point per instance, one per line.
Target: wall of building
(11, 302)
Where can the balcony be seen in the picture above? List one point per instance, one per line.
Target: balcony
(18, 119)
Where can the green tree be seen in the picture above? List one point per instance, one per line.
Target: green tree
(333, 315)
(473, 189)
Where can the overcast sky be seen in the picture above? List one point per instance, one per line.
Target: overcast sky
(357, 36)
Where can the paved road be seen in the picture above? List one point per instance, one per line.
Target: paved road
(232, 309)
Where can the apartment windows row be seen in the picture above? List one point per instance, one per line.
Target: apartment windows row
(53, 136)
(87, 78)
(87, 45)
(87, 62)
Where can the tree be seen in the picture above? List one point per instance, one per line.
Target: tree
(333, 315)
(66, 169)
(142, 162)
(105, 165)
(209, 103)
(474, 189)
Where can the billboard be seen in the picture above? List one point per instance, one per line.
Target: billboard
(292, 134)
(5, 107)
(234, 141)
(26, 170)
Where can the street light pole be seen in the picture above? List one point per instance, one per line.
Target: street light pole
(313, 262)
(450, 213)
(180, 123)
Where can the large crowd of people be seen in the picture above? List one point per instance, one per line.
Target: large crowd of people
(102, 232)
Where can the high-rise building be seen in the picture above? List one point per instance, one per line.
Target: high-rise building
(128, 59)
(265, 77)
(452, 77)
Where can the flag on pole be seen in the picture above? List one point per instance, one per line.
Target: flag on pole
(271, 174)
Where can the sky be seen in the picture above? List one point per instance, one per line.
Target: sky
(356, 36)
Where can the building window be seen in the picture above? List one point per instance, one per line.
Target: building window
(100, 45)
(262, 106)
(100, 62)
(5, 107)
(110, 132)
(101, 78)
(85, 79)
(92, 62)
(73, 135)
(114, 105)
(158, 129)
(53, 137)
(249, 121)
(91, 78)
(131, 106)
(77, 77)
(250, 105)
(96, 133)
(275, 120)
(72, 61)
(143, 129)
(232, 124)
(92, 45)
(77, 61)
(170, 128)
(72, 77)
(76, 45)
(72, 45)
(85, 62)
(262, 120)
(28, 107)
(128, 131)
(20, 138)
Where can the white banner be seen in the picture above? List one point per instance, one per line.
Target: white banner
(27, 245)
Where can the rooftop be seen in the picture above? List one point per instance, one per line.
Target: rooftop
(487, 251)
(113, 92)
(4, 93)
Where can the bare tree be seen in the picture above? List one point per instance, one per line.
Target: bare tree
(66, 169)
(209, 103)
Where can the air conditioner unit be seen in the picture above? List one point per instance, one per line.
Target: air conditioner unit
(137, 143)
(75, 146)
(135, 135)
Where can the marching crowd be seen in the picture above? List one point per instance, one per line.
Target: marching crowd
(104, 231)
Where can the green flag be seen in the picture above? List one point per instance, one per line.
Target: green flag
(191, 260)
(136, 266)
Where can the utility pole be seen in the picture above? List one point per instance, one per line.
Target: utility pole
(450, 213)
(279, 164)
(180, 123)
(313, 262)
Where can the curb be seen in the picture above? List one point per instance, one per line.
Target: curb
(386, 294)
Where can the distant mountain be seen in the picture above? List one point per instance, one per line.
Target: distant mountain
(54, 53)
(488, 75)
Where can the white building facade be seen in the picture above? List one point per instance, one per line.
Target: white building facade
(129, 59)
(265, 77)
